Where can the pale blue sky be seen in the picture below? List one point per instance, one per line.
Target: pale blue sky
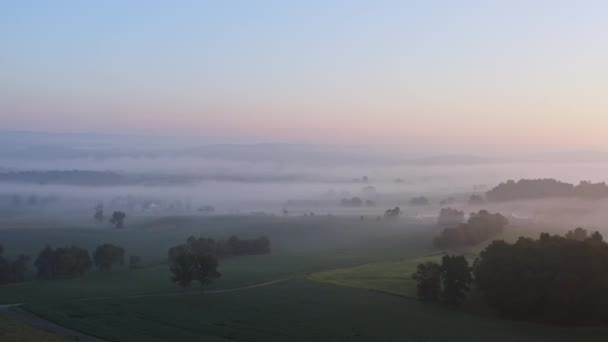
(502, 72)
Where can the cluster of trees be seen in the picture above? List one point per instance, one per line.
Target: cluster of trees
(479, 227)
(545, 188)
(232, 246)
(356, 202)
(419, 201)
(106, 255)
(73, 261)
(193, 261)
(450, 217)
(450, 281)
(197, 259)
(12, 271)
(63, 262)
(554, 278)
(117, 219)
(392, 213)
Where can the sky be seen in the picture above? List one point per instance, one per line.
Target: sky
(518, 74)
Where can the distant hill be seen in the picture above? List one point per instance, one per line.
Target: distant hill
(111, 178)
(526, 189)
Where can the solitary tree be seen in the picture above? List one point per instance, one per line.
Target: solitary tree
(118, 219)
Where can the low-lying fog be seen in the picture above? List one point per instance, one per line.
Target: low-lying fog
(182, 179)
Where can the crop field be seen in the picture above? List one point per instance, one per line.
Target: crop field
(295, 310)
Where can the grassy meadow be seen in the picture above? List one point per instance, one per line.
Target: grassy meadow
(394, 277)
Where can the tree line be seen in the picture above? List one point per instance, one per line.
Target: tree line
(525, 189)
(479, 227)
(556, 279)
(64, 262)
(356, 202)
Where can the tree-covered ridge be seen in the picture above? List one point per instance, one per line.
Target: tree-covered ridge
(554, 278)
(545, 188)
(479, 227)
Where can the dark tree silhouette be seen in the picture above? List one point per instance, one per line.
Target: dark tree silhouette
(479, 228)
(62, 262)
(428, 278)
(118, 219)
(106, 255)
(546, 188)
(554, 278)
(456, 277)
(392, 213)
(579, 234)
(191, 262)
(351, 202)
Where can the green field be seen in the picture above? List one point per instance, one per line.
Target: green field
(393, 277)
(318, 255)
(297, 310)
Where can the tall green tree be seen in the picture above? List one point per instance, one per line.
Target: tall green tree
(457, 278)
(428, 278)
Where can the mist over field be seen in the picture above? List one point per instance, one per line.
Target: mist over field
(81, 171)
